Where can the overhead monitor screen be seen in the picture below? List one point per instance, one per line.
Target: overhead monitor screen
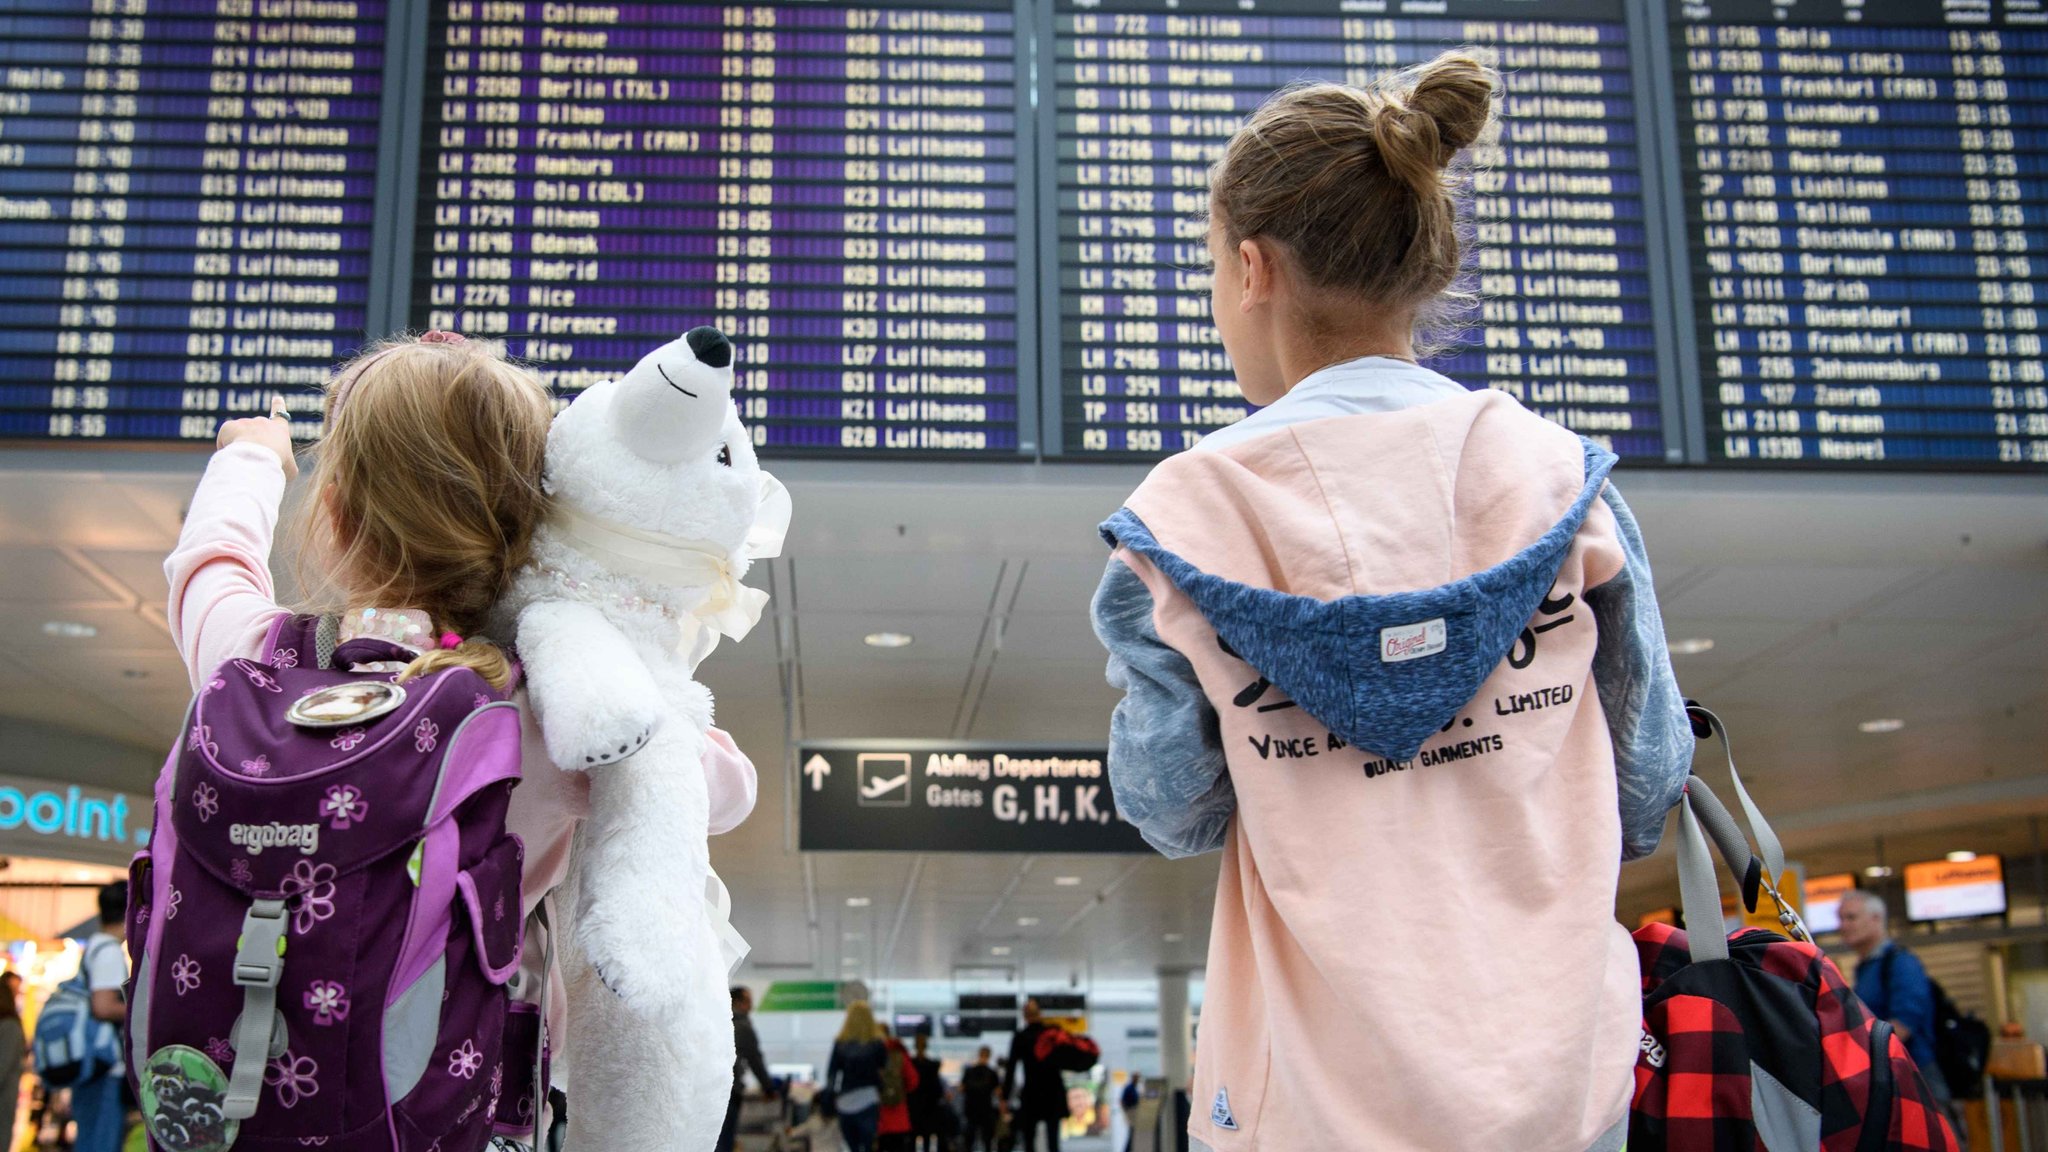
(1954, 890)
(833, 185)
(1863, 189)
(186, 189)
(1823, 901)
(1150, 91)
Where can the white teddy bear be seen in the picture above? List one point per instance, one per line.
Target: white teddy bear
(659, 507)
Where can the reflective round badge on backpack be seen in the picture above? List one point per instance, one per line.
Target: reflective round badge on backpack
(183, 1095)
(342, 705)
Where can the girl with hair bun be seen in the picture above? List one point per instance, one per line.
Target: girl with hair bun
(1392, 647)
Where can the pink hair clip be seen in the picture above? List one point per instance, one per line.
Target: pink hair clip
(450, 640)
(440, 337)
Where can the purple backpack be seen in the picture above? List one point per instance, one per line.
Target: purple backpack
(327, 917)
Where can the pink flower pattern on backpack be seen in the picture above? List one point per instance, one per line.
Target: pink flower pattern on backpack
(345, 806)
(220, 1052)
(261, 679)
(424, 736)
(286, 658)
(205, 801)
(309, 892)
(293, 1077)
(171, 902)
(185, 974)
(213, 685)
(465, 1061)
(260, 766)
(240, 872)
(327, 1001)
(348, 739)
(201, 740)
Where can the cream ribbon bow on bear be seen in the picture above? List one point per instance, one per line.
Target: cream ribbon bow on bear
(729, 608)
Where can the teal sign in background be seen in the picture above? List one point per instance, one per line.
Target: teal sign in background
(71, 821)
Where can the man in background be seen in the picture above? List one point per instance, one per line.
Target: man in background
(746, 1058)
(927, 1100)
(1043, 1100)
(99, 1104)
(1893, 983)
(978, 1087)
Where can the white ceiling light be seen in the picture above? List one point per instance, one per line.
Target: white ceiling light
(1067, 881)
(889, 639)
(1880, 727)
(1027, 921)
(999, 950)
(850, 962)
(858, 901)
(69, 629)
(1173, 937)
(1877, 871)
(1691, 647)
(1961, 857)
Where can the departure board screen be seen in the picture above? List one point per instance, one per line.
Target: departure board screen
(1863, 197)
(186, 189)
(833, 185)
(1150, 91)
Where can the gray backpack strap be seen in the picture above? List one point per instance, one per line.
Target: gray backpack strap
(259, 965)
(326, 638)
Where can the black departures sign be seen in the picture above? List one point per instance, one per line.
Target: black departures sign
(926, 796)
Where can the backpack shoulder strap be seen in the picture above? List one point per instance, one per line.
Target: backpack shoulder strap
(307, 641)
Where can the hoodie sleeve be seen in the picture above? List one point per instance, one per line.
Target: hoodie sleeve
(1653, 741)
(1166, 763)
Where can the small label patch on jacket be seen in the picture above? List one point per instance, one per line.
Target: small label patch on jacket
(1219, 1112)
(1412, 641)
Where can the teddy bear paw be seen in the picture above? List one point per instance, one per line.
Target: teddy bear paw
(614, 755)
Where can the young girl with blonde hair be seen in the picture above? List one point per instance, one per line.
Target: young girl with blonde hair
(422, 501)
(1392, 646)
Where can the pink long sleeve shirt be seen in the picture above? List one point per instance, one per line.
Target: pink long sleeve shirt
(223, 603)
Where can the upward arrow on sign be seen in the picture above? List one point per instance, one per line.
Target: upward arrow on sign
(817, 768)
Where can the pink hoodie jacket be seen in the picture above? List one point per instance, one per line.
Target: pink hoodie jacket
(1388, 663)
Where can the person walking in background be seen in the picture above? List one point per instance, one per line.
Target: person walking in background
(13, 1050)
(1133, 1093)
(899, 1086)
(1893, 983)
(1043, 1100)
(854, 1076)
(979, 1085)
(100, 1105)
(746, 1058)
(927, 1100)
(1512, 711)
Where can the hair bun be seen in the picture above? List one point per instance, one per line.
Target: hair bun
(1431, 113)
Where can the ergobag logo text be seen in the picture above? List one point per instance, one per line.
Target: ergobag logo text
(325, 926)
(254, 838)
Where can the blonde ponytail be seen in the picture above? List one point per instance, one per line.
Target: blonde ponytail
(480, 656)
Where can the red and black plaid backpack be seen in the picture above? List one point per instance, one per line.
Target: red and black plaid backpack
(1755, 1042)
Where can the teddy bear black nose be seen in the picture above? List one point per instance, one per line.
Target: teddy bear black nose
(711, 346)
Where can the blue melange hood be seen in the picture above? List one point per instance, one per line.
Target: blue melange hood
(1326, 654)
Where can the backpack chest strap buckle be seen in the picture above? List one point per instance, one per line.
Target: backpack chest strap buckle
(259, 965)
(259, 955)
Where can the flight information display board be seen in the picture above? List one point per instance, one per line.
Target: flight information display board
(186, 191)
(833, 185)
(1150, 91)
(1863, 200)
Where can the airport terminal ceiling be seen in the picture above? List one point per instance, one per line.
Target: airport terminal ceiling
(1782, 260)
